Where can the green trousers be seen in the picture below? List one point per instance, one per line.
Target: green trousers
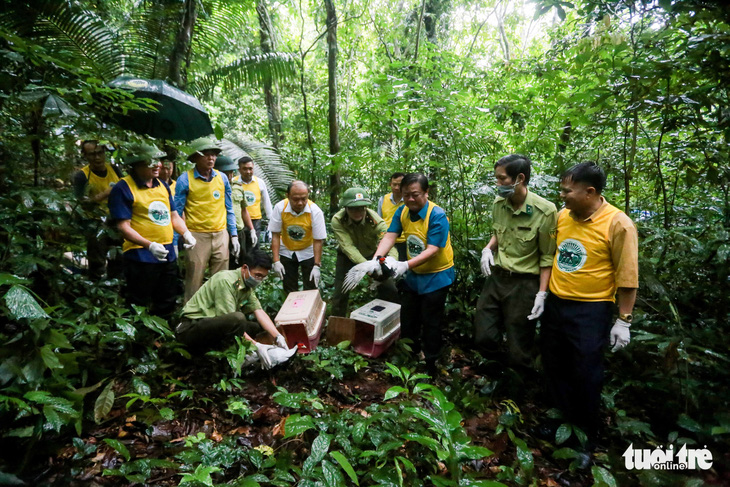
(503, 306)
(206, 333)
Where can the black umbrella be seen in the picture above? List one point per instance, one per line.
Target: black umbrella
(179, 115)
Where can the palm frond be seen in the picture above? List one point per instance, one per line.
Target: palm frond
(73, 34)
(218, 24)
(249, 71)
(267, 162)
(146, 38)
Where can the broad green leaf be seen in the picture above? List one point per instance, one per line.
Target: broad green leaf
(346, 466)
(688, 423)
(296, 425)
(119, 447)
(167, 414)
(10, 479)
(602, 477)
(563, 433)
(332, 475)
(52, 417)
(320, 446)
(104, 402)
(565, 453)
(394, 391)
(49, 358)
(22, 304)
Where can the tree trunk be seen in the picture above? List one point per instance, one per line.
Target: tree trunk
(334, 183)
(181, 51)
(271, 95)
(418, 30)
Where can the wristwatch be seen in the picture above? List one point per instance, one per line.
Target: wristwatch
(628, 318)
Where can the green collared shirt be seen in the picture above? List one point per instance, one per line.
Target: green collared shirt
(526, 236)
(359, 240)
(238, 197)
(224, 293)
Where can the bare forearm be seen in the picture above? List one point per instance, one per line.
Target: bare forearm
(318, 251)
(132, 235)
(275, 243)
(266, 323)
(545, 277)
(386, 244)
(626, 298)
(178, 224)
(492, 245)
(423, 256)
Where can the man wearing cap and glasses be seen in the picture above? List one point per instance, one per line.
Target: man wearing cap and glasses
(203, 195)
(92, 184)
(226, 165)
(256, 194)
(141, 205)
(358, 231)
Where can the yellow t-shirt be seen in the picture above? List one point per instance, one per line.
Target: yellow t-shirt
(205, 207)
(388, 209)
(595, 256)
(151, 214)
(296, 231)
(252, 193)
(415, 234)
(97, 184)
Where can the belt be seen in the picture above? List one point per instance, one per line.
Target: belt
(499, 271)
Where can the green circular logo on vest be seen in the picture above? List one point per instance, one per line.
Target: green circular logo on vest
(216, 194)
(415, 245)
(295, 232)
(250, 197)
(572, 255)
(158, 213)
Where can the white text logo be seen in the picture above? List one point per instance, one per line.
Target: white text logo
(667, 459)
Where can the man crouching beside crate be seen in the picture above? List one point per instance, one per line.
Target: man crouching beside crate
(217, 312)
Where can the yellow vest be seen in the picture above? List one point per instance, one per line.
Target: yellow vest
(388, 209)
(172, 187)
(252, 193)
(97, 184)
(151, 214)
(583, 269)
(205, 208)
(296, 231)
(415, 234)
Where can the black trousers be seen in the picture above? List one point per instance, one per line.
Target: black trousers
(100, 241)
(573, 337)
(420, 319)
(155, 286)
(402, 251)
(385, 291)
(291, 277)
(206, 333)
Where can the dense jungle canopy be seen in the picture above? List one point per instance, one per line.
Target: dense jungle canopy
(343, 93)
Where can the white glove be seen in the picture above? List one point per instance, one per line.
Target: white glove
(236, 247)
(488, 260)
(159, 251)
(189, 240)
(263, 352)
(280, 355)
(539, 305)
(281, 342)
(620, 334)
(278, 269)
(254, 237)
(250, 359)
(399, 267)
(314, 275)
(374, 268)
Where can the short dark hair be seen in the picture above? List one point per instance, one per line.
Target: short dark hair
(514, 165)
(294, 183)
(88, 141)
(244, 160)
(588, 173)
(397, 175)
(415, 177)
(256, 258)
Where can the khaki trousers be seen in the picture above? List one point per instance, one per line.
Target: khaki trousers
(211, 250)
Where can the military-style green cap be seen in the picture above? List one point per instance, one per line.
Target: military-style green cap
(225, 163)
(202, 144)
(355, 197)
(143, 152)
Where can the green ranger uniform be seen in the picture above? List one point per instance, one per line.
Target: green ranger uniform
(238, 197)
(357, 244)
(526, 242)
(217, 312)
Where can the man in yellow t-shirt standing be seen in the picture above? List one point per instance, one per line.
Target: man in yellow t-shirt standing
(596, 265)
(257, 198)
(203, 195)
(388, 205)
(297, 234)
(92, 185)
